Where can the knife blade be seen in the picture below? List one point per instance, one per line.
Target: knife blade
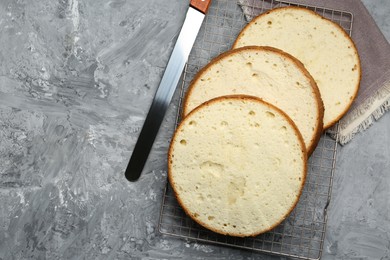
(192, 23)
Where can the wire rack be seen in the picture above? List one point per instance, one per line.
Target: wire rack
(302, 234)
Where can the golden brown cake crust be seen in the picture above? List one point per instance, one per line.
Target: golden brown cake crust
(237, 97)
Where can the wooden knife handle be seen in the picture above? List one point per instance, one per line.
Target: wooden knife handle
(201, 5)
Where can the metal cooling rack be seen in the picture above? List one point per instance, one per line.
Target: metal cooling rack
(302, 234)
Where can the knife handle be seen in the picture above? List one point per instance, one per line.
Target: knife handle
(201, 5)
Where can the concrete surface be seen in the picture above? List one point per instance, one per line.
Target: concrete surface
(76, 80)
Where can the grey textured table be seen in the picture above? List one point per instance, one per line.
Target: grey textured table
(76, 80)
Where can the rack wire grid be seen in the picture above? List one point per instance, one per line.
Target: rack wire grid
(302, 234)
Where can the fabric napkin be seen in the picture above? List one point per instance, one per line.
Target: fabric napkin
(373, 99)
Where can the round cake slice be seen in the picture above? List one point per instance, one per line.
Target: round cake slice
(325, 49)
(266, 73)
(237, 165)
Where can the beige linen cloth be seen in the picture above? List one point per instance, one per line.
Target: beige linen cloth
(373, 99)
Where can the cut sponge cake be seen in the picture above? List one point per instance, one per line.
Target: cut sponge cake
(237, 165)
(324, 48)
(267, 73)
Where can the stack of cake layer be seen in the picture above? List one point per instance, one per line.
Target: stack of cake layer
(254, 114)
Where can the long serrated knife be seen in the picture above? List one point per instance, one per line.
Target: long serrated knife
(169, 81)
